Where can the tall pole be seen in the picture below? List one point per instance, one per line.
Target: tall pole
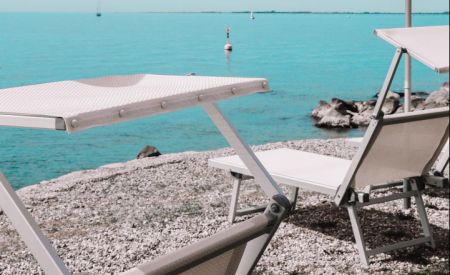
(408, 89)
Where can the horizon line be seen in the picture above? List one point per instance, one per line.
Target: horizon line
(237, 12)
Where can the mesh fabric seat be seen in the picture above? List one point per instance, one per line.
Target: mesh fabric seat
(233, 251)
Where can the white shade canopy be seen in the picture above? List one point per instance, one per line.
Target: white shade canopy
(429, 45)
(77, 105)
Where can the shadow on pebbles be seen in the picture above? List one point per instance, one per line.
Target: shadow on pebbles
(108, 220)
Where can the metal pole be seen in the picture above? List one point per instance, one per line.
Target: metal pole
(248, 157)
(408, 88)
(29, 230)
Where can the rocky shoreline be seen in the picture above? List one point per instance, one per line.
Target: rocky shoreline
(352, 114)
(110, 219)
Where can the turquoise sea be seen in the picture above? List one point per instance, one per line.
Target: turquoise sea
(306, 57)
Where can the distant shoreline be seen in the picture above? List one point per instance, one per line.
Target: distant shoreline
(245, 12)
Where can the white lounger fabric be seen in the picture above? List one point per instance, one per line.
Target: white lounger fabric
(296, 168)
(93, 102)
(429, 45)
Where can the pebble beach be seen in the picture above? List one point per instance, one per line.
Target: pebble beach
(110, 219)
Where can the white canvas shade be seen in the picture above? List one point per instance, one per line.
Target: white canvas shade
(81, 104)
(428, 45)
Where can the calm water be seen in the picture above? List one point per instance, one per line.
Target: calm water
(306, 57)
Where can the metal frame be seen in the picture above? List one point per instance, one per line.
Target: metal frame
(443, 162)
(341, 195)
(234, 204)
(29, 231)
(38, 243)
(345, 196)
(365, 253)
(248, 157)
(37, 122)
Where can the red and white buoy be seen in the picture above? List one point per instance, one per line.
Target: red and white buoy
(228, 46)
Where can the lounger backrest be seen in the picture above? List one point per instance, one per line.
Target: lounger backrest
(444, 160)
(397, 147)
(233, 251)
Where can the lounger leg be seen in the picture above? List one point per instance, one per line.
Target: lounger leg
(406, 188)
(293, 197)
(234, 198)
(357, 232)
(423, 215)
(29, 231)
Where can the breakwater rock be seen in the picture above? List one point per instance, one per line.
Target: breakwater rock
(352, 114)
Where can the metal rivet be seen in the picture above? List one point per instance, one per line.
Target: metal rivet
(200, 97)
(163, 105)
(122, 113)
(74, 123)
(233, 91)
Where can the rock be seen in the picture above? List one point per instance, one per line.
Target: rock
(363, 118)
(334, 119)
(438, 98)
(445, 86)
(320, 110)
(390, 106)
(392, 95)
(344, 106)
(148, 152)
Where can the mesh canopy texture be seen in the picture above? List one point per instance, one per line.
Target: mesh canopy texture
(92, 102)
(429, 45)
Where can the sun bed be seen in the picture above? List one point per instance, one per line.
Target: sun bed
(73, 106)
(234, 251)
(395, 149)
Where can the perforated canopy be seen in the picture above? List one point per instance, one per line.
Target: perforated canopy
(429, 45)
(77, 105)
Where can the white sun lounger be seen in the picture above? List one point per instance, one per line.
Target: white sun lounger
(396, 149)
(77, 105)
(234, 251)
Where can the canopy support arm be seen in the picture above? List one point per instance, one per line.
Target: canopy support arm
(29, 230)
(244, 151)
(387, 82)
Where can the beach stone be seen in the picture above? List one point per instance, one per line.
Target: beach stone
(148, 152)
(438, 98)
(334, 118)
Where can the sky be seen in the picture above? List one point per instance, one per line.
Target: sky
(222, 5)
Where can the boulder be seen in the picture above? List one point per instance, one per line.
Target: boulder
(343, 106)
(362, 119)
(334, 119)
(148, 152)
(392, 95)
(320, 110)
(390, 106)
(437, 99)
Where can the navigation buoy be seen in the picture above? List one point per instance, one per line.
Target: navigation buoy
(228, 46)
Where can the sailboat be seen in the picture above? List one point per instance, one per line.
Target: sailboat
(252, 16)
(99, 9)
